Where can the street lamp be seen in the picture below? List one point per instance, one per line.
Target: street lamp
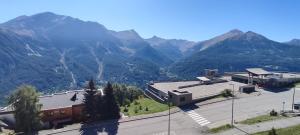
(232, 104)
(283, 106)
(169, 122)
(294, 93)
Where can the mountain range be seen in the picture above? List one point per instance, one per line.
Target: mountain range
(54, 52)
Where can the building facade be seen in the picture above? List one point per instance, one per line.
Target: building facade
(57, 109)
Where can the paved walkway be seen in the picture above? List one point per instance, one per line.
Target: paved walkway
(244, 129)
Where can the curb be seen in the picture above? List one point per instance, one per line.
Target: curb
(215, 102)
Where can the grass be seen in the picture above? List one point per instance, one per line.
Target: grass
(220, 128)
(294, 130)
(297, 85)
(260, 119)
(152, 105)
(7, 132)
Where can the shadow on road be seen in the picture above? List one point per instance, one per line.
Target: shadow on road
(277, 90)
(189, 107)
(109, 127)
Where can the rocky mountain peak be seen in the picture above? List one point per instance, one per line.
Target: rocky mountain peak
(236, 32)
(253, 36)
(294, 42)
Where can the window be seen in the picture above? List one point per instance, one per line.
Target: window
(182, 99)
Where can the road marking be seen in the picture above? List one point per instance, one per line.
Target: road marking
(197, 117)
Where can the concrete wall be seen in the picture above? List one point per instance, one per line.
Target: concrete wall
(180, 99)
(158, 93)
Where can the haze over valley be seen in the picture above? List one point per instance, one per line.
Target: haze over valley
(58, 52)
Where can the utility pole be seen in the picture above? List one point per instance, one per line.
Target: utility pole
(293, 99)
(294, 93)
(283, 106)
(169, 123)
(232, 104)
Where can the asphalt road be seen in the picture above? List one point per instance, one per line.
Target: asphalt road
(182, 123)
(247, 107)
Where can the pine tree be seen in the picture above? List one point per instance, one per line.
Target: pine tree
(99, 106)
(26, 110)
(112, 110)
(90, 101)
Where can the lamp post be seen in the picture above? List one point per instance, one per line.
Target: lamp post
(294, 94)
(169, 121)
(293, 99)
(283, 106)
(232, 104)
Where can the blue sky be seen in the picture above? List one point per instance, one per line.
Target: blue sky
(183, 19)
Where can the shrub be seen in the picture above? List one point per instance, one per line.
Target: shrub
(273, 113)
(226, 93)
(136, 102)
(136, 110)
(141, 108)
(147, 109)
(127, 102)
(125, 109)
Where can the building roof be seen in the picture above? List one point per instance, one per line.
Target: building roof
(198, 91)
(258, 71)
(57, 100)
(202, 78)
(61, 100)
(274, 75)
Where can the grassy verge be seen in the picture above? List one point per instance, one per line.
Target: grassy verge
(294, 130)
(297, 85)
(220, 128)
(144, 106)
(260, 119)
(7, 132)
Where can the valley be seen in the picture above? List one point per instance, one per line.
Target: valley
(57, 52)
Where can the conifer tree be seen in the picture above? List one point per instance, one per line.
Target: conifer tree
(112, 110)
(99, 105)
(90, 101)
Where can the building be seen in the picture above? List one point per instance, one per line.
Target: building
(297, 106)
(56, 109)
(263, 78)
(247, 88)
(185, 92)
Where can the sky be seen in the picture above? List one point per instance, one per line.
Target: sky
(194, 20)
